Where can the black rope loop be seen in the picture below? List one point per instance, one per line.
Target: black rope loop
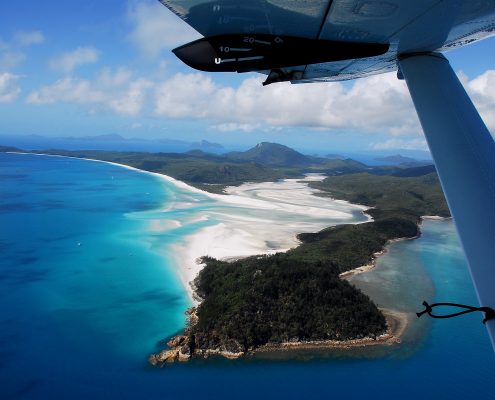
(489, 312)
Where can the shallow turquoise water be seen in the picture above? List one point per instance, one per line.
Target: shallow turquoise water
(86, 294)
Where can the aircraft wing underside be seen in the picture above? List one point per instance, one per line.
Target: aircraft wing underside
(399, 23)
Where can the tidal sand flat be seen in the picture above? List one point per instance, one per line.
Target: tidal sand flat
(254, 218)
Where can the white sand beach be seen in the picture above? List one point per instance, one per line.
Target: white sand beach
(254, 218)
(258, 218)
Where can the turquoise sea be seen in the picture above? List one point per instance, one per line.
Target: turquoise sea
(88, 290)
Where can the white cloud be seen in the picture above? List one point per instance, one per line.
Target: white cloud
(379, 103)
(482, 91)
(68, 61)
(109, 78)
(71, 90)
(131, 99)
(9, 89)
(28, 38)
(116, 91)
(155, 28)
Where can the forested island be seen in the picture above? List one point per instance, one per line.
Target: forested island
(298, 296)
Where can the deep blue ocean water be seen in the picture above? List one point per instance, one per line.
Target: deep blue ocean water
(86, 294)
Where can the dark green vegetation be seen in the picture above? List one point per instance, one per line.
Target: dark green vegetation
(407, 197)
(279, 298)
(398, 204)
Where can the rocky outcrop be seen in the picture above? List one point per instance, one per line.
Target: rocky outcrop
(179, 351)
(183, 347)
(180, 346)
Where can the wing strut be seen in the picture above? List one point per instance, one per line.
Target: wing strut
(464, 154)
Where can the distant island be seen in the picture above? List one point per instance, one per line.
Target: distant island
(300, 297)
(108, 142)
(397, 158)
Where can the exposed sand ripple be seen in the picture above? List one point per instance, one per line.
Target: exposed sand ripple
(259, 218)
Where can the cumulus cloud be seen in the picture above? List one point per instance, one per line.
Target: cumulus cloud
(28, 38)
(116, 90)
(131, 99)
(71, 90)
(154, 28)
(482, 92)
(69, 61)
(9, 89)
(378, 103)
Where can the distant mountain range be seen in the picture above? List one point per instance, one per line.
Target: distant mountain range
(112, 141)
(212, 172)
(264, 154)
(269, 154)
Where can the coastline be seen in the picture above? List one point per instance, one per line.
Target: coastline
(368, 267)
(239, 235)
(232, 236)
(117, 335)
(179, 349)
(166, 178)
(397, 322)
(238, 245)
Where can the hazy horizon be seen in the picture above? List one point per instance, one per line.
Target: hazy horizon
(118, 142)
(88, 68)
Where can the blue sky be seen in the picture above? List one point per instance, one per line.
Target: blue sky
(72, 68)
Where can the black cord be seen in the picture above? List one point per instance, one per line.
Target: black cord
(489, 312)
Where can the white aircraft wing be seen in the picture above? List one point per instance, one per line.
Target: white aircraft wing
(406, 26)
(310, 40)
